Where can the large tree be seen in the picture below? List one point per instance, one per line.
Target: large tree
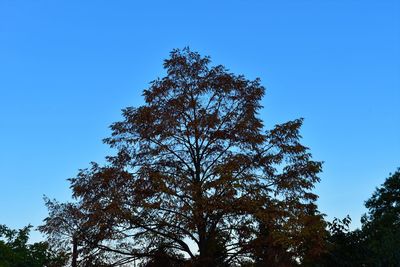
(197, 175)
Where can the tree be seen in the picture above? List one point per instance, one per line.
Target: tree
(63, 227)
(16, 252)
(196, 174)
(69, 230)
(381, 225)
(345, 247)
(376, 243)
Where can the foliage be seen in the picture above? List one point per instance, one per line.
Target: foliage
(197, 175)
(165, 257)
(381, 225)
(68, 229)
(377, 242)
(344, 247)
(16, 252)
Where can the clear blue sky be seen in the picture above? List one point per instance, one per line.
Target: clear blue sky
(68, 67)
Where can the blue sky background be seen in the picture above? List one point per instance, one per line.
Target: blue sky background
(68, 67)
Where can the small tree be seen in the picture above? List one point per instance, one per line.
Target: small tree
(69, 229)
(196, 174)
(63, 227)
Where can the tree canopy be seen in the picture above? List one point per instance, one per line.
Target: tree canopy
(196, 178)
(381, 225)
(377, 242)
(16, 252)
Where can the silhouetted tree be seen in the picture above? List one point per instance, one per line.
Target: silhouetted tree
(344, 247)
(16, 252)
(69, 229)
(196, 174)
(377, 242)
(63, 227)
(164, 256)
(381, 225)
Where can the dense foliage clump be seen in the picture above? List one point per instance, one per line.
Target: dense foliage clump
(377, 242)
(16, 252)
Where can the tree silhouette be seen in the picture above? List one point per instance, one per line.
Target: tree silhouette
(63, 227)
(69, 229)
(16, 252)
(381, 225)
(376, 243)
(196, 174)
(344, 247)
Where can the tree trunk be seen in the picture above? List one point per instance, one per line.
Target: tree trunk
(74, 252)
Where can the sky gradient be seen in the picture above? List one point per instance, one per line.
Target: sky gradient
(67, 68)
